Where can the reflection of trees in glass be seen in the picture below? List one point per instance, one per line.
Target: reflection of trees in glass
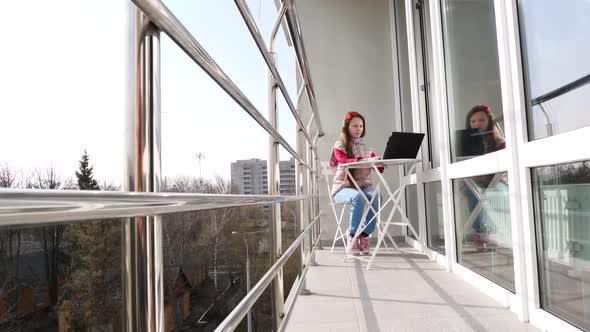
(92, 294)
(199, 258)
(573, 173)
(77, 267)
(10, 260)
(51, 237)
(208, 235)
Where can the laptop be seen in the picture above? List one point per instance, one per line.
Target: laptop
(402, 145)
(469, 143)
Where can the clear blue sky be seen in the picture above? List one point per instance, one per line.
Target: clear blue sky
(62, 82)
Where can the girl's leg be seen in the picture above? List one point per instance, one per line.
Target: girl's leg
(369, 192)
(472, 201)
(353, 196)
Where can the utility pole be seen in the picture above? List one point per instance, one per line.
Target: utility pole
(200, 156)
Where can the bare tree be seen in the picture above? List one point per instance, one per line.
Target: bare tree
(7, 176)
(186, 184)
(10, 264)
(108, 186)
(10, 249)
(46, 179)
(26, 179)
(213, 236)
(51, 237)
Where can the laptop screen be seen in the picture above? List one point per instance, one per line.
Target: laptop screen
(469, 143)
(402, 145)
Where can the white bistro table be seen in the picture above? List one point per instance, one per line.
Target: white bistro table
(393, 197)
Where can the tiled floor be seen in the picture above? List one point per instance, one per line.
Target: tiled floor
(402, 292)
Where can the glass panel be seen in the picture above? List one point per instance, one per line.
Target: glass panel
(562, 211)
(556, 55)
(412, 209)
(290, 232)
(435, 226)
(64, 277)
(483, 227)
(205, 266)
(473, 78)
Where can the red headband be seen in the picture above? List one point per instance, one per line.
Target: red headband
(350, 115)
(485, 109)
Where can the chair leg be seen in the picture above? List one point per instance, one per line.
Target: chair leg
(335, 239)
(339, 233)
(380, 232)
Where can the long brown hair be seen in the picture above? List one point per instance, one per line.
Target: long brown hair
(345, 134)
(493, 134)
(347, 140)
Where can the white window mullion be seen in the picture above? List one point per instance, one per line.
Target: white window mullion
(439, 107)
(513, 103)
(416, 115)
(567, 147)
(495, 162)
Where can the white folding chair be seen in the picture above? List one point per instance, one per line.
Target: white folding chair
(339, 208)
(338, 215)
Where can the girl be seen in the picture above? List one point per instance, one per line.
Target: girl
(350, 148)
(481, 117)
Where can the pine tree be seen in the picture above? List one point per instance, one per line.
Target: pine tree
(86, 180)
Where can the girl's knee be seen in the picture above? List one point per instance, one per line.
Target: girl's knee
(358, 197)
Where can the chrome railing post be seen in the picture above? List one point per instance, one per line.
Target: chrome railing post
(301, 220)
(142, 236)
(317, 179)
(309, 201)
(277, 292)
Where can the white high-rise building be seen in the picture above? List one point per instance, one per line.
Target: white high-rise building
(250, 176)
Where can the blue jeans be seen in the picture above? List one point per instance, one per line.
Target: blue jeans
(483, 223)
(355, 197)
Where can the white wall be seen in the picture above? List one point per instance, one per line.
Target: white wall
(348, 44)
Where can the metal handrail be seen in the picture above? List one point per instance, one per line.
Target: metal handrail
(232, 320)
(31, 206)
(164, 19)
(297, 38)
(561, 90)
(253, 28)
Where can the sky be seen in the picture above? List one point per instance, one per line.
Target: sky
(62, 87)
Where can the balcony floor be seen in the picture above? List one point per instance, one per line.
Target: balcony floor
(402, 292)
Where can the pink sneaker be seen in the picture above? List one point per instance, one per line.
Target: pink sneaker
(365, 243)
(355, 245)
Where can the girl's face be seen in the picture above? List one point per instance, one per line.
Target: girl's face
(356, 127)
(479, 120)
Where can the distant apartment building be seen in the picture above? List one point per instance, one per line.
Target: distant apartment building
(250, 176)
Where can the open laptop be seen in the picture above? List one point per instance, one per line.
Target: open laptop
(469, 143)
(402, 145)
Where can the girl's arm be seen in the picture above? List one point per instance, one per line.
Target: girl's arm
(342, 159)
(381, 169)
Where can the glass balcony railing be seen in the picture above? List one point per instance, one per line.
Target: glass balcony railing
(169, 253)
